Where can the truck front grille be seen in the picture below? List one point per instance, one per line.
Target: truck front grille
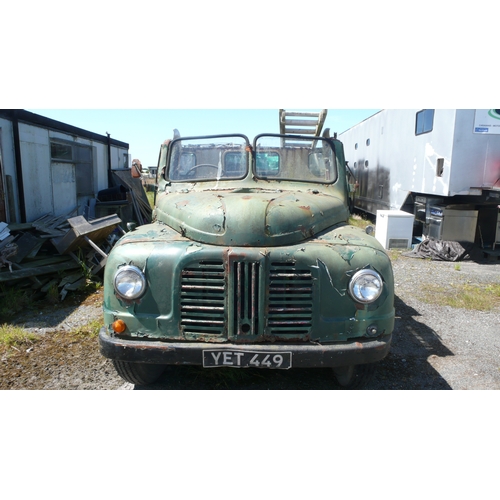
(203, 296)
(213, 303)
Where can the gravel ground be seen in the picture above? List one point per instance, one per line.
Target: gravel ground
(434, 346)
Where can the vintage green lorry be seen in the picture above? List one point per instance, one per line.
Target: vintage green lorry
(249, 262)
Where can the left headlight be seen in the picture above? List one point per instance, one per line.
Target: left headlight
(129, 282)
(366, 286)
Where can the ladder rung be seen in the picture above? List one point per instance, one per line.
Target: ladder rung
(301, 113)
(309, 123)
(315, 125)
(300, 131)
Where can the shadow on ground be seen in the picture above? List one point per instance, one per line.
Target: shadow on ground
(405, 367)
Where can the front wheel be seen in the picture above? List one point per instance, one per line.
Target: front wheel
(354, 376)
(138, 373)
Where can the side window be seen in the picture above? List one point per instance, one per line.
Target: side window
(424, 122)
(268, 164)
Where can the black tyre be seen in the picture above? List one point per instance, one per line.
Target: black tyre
(354, 376)
(138, 373)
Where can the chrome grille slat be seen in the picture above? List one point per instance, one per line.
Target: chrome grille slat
(290, 300)
(246, 276)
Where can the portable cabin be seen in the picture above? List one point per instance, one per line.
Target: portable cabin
(442, 165)
(49, 167)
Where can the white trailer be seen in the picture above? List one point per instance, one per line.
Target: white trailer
(428, 162)
(51, 167)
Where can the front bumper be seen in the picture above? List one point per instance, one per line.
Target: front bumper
(356, 352)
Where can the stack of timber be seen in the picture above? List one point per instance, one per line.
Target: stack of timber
(126, 197)
(136, 195)
(64, 251)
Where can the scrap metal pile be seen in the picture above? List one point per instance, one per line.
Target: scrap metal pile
(67, 250)
(53, 251)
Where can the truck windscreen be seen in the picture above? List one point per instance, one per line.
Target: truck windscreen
(294, 158)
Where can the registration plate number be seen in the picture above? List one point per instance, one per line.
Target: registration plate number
(213, 358)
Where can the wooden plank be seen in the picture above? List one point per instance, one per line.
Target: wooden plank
(125, 177)
(21, 226)
(8, 240)
(97, 230)
(27, 244)
(56, 259)
(37, 271)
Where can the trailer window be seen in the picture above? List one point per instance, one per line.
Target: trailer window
(424, 122)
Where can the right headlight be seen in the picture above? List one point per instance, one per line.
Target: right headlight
(366, 286)
(129, 282)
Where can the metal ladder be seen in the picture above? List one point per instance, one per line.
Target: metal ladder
(309, 123)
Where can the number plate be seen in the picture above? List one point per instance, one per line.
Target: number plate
(214, 358)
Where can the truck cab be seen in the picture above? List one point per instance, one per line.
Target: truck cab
(249, 263)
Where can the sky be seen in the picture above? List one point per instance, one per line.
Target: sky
(145, 129)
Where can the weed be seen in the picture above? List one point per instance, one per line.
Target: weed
(13, 300)
(458, 267)
(15, 336)
(52, 294)
(89, 330)
(358, 221)
(151, 198)
(92, 282)
(394, 254)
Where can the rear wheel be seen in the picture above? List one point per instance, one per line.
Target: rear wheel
(354, 376)
(138, 373)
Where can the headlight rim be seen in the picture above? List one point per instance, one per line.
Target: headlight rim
(142, 279)
(357, 275)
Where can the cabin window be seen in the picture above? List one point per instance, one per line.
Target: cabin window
(367, 142)
(424, 122)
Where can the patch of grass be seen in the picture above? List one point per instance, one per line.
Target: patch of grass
(464, 296)
(394, 254)
(15, 336)
(89, 330)
(151, 198)
(359, 221)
